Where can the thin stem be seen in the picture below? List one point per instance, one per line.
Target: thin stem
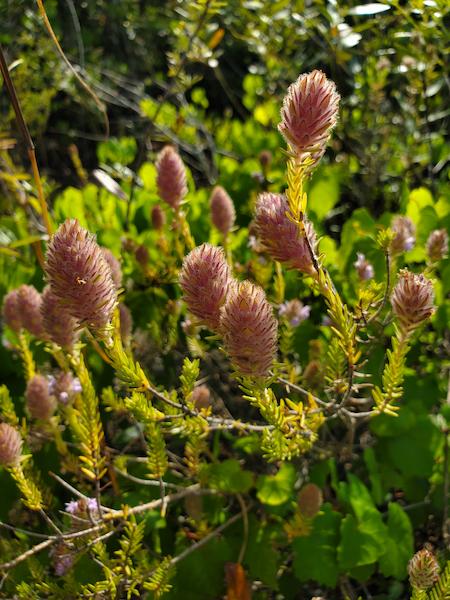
(27, 139)
(387, 288)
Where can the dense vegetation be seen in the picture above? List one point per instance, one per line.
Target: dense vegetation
(270, 420)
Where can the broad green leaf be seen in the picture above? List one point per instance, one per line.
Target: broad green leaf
(315, 556)
(70, 205)
(360, 544)
(399, 543)
(228, 476)
(277, 489)
(261, 556)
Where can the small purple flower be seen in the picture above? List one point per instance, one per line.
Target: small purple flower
(294, 311)
(363, 267)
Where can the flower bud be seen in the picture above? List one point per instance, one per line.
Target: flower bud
(265, 159)
(223, 214)
(21, 310)
(404, 235)
(201, 397)
(10, 445)
(171, 177)
(158, 217)
(423, 570)
(205, 279)
(412, 299)
(126, 322)
(114, 265)
(11, 311)
(80, 276)
(363, 267)
(294, 312)
(249, 330)
(310, 500)
(59, 325)
(40, 404)
(437, 245)
(142, 255)
(281, 237)
(30, 309)
(309, 113)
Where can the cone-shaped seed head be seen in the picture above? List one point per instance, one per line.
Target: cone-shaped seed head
(80, 276)
(22, 310)
(142, 255)
(126, 322)
(59, 325)
(10, 445)
(281, 237)
(412, 299)
(171, 177)
(205, 278)
(40, 404)
(437, 245)
(158, 217)
(404, 235)
(30, 307)
(249, 330)
(11, 310)
(309, 113)
(114, 265)
(310, 500)
(423, 570)
(223, 214)
(201, 397)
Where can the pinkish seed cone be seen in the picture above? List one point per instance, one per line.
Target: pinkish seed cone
(249, 330)
(309, 113)
(30, 307)
(158, 217)
(11, 311)
(114, 265)
(205, 279)
(423, 570)
(80, 276)
(437, 245)
(40, 404)
(281, 237)
(412, 299)
(223, 214)
(10, 445)
(404, 235)
(59, 325)
(171, 177)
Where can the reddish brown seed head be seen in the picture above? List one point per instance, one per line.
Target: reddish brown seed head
(158, 217)
(281, 237)
(205, 278)
(249, 330)
(126, 322)
(310, 500)
(437, 245)
(171, 177)
(22, 310)
(80, 276)
(40, 403)
(223, 214)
